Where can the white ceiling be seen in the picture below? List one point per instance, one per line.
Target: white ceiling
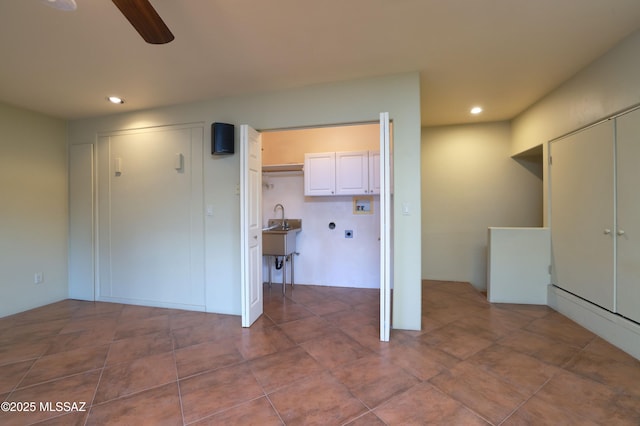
(502, 54)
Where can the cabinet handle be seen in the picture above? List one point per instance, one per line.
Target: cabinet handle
(620, 232)
(607, 231)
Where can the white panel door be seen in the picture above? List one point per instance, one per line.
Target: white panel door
(151, 236)
(251, 224)
(81, 222)
(352, 173)
(628, 212)
(320, 173)
(582, 219)
(385, 227)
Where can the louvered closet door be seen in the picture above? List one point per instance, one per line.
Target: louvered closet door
(628, 212)
(582, 214)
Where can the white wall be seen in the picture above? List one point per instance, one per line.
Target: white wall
(608, 85)
(326, 256)
(469, 183)
(33, 210)
(354, 101)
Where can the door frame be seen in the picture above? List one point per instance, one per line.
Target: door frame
(385, 227)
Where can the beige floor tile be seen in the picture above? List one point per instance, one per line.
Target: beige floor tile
(257, 412)
(207, 356)
(217, 390)
(374, 380)
(66, 364)
(283, 368)
(315, 357)
(157, 406)
(422, 405)
(77, 389)
(335, 349)
(487, 395)
(319, 400)
(135, 376)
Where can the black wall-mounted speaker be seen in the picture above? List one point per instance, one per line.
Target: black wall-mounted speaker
(222, 138)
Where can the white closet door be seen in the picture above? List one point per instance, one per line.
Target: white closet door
(582, 217)
(151, 234)
(628, 212)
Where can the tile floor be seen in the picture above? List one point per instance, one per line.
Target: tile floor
(314, 358)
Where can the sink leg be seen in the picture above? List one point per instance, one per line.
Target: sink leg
(292, 256)
(284, 275)
(269, 265)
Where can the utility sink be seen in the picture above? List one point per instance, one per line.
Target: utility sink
(279, 237)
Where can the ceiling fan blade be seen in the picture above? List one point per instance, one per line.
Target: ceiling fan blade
(145, 20)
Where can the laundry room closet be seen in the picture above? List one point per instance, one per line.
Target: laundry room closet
(339, 241)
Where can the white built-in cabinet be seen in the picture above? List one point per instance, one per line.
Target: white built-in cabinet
(628, 215)
(320, 173)
(595, 208)
(342, 173)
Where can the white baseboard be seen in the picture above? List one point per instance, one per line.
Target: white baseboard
(151, 303)
(613, 328)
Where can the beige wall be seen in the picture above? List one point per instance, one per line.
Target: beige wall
(336, 103)
(608, 85)
(469, 183)
(289, 146)
(33, 210)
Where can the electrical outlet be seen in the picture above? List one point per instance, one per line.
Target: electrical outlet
(348, 233)
(38, 278)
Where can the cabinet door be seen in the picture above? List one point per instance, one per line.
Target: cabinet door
(320, 173)
(352, 173)
(582, 218)
(374, 172)
(628, 213)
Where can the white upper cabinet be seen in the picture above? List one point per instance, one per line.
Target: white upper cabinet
(342, 173)
(352, 173)
(320, 173)
(374, 172)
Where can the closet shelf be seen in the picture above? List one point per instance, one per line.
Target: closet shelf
(274, 168)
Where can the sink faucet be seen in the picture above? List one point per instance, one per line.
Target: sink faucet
(282, 207)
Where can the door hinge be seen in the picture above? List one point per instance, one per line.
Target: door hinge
(550, 160)
(550, 269)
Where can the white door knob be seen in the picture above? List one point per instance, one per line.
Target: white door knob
(607, 231)
(620, 232)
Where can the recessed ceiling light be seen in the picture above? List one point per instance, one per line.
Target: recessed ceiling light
(66, 5)
(115, 100)
(476, 110)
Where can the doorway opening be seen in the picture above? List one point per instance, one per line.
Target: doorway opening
(338, 246)
(380, 166)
